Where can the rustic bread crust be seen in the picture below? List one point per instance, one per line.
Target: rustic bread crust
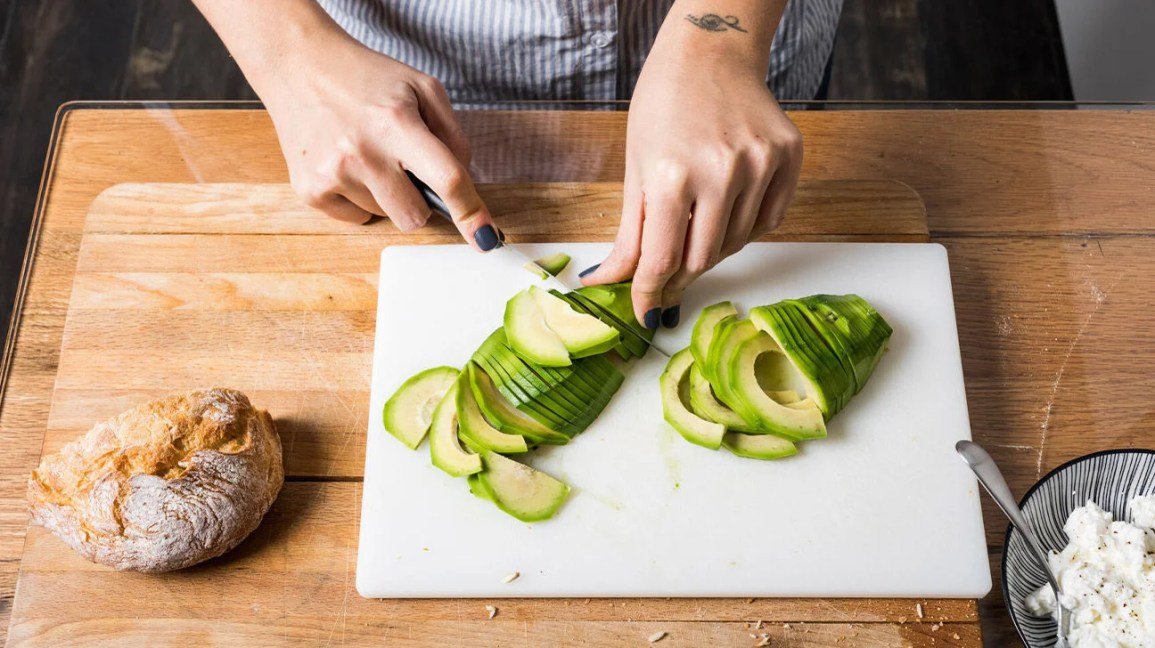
(164, 485)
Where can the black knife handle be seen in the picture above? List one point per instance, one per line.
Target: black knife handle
(431, 198)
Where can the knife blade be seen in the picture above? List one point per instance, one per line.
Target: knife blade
(438, 206)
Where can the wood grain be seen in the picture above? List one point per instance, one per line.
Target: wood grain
(1055, 179)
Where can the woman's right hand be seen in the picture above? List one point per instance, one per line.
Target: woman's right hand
(351, 122)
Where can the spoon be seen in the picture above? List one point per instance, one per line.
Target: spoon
(992, 479)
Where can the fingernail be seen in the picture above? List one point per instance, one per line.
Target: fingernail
(653, 318)
(590, 270)
(486, 238)
(671, 315)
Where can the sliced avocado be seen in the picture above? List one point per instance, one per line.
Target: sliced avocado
(581, 333)
(628, 346)
(529, 335)
(472, 426)
(784, 396)
(718, 336)
(536, 270)
(554, 264)
(706, 405)
(409, 411)
(854, 329)
(828, 382)
(799, 422)
(729, 335)
(617, 301)
(759, 446)
(674, 387)
(527, 494)
(704, 329)
(502, 414)
(444, 448)
(478, 488)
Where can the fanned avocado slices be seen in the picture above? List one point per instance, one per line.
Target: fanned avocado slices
(409, 411)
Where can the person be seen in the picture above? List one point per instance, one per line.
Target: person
(359, 92)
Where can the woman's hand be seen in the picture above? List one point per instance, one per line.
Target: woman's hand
(351, 121)
(711, 164)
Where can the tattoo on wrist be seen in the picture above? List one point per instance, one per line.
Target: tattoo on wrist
(715, 23)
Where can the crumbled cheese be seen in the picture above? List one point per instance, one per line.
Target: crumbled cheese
(1107, 576)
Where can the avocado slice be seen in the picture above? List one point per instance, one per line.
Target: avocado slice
(759, 446)
(853, 328)
(797, 422)
(408, 413)
(504, 416)
(729, 334)
(478, 488)
(582, 334)
(474, 429)
(674, 386)
(828, 382)
(444, 448)
(703, 332)
(525, 493)
(628, 345)
(530, 336)
(554, 264)
(616, 301)
(705, 404)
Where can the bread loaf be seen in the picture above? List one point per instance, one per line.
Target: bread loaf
(164, 485)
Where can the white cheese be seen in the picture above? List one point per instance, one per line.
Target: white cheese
(1107, 575)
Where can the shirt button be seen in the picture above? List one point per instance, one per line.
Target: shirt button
(600, 39)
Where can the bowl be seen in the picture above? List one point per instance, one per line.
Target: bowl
(1109, 478)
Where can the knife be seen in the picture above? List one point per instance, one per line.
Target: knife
(438, 206)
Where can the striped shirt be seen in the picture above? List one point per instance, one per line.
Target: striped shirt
(510, 50)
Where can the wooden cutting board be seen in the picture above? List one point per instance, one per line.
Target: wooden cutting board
(181, 286)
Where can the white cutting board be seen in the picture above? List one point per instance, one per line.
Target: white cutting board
(881, 508)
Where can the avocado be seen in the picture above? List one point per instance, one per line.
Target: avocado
(472, 426)
(530, 336)
(718, 337)
(853, 328)
(827, 380)
(527, 494)
(729, 334)
(628, 345)
(581, 333)
(616, 300)
(444, 448)
(409, 411)
(554, 264)
(502, 414)
(796, 422)
(478, 488)
(673, 385)
(705, 404)
(759, 446)
(703, 331)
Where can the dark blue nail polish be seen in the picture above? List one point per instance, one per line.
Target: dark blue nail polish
(653, 318)
(671, 315)
(590, 270)
(486, 238)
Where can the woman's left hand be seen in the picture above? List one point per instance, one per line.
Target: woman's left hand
(712, 162)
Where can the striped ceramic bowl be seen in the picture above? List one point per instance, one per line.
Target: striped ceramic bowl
(1109, 478)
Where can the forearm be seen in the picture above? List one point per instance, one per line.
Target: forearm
(738, 32)
(271, 39)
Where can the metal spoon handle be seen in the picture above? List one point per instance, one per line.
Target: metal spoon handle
(992, 480)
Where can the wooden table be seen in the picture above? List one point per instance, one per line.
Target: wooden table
(1047, 216)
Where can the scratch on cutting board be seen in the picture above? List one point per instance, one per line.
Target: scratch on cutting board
(1100, 297)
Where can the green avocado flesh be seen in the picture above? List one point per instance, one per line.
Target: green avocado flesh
(582, 334)
(616, 302)
(703, 332)
(746, 375)
(529, 334)
(674, 386)
(554, 264)
(472, 426)
(759, 446)
(523, 492)
(545, 330)
(503, 416)
(444, 448)
(409, 412)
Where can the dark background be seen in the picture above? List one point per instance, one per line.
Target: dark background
(53, 51)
